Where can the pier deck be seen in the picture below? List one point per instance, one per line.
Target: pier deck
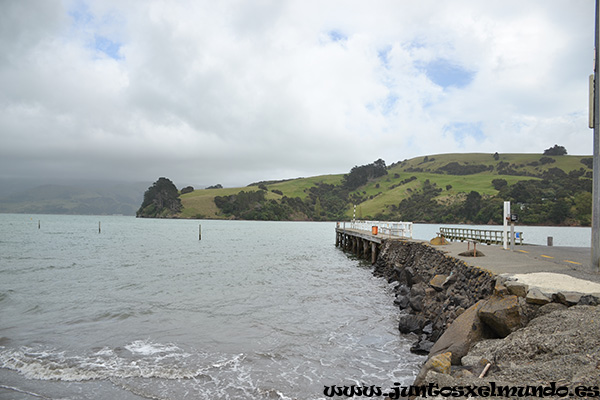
(525, 259)
(364, 237)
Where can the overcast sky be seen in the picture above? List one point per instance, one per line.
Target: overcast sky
(235, 91)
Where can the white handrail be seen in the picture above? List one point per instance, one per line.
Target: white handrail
(391, 228)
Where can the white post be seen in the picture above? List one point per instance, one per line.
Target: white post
(506, 216)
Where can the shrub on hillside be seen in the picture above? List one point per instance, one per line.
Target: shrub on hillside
(555, 151)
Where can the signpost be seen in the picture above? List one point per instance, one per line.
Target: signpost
(596, 165)
(506, 217)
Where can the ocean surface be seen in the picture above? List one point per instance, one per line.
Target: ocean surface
(145, 310)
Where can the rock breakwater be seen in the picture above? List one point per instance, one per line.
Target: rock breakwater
(469, 320)
(432, 289)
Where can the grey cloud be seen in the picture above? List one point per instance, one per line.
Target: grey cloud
(231, 92)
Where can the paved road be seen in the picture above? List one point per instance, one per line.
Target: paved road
(573, 261)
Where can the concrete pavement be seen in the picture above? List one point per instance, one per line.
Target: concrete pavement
(550, 268)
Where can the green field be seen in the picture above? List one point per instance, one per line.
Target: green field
(378, 194)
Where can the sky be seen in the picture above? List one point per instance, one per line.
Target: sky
(231, 92)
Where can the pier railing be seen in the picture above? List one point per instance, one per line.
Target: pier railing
(479, 235)
(389, 228)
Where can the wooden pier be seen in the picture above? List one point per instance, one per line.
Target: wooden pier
(364, 238)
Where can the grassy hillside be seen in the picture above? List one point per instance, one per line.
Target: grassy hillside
(446, 179)
(200, 203)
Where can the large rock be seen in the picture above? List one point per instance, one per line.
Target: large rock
(517, 288)
(439, 241)
(567, 298)
(411, 323)
(439, 363)
(535, 296)
(589, 300)
(422, 346)
(466, 330)
(502, 314)
(437, 282)
(562, 346)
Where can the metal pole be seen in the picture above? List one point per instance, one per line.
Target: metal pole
(596, 166)
(505, 230)
(512, 237)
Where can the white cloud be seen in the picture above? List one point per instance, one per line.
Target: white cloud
(230, 92)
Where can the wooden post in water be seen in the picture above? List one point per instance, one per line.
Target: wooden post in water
(39, 223)
(373, 252)
(99, 228)
(199, 231)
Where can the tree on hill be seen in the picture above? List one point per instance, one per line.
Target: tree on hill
(187, 189)
(555, 151)
(359, 176)
(161, 200)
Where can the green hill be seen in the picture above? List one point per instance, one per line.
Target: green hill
(447, 188)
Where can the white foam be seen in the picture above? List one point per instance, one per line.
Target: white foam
(146, 360)
(104, 364)
(105, 351)
(147, 348)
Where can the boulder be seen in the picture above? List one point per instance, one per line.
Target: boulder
(416, 303)
(500, 289)
(407, 276)
(452, 278)
(411, 323)
(502, 314)
(567, 298)
(437, 282)
(461, 334)
(422, 346)
(517, 288)
(401, 301)
(439, 241)
(439, 363)
(589, 300)
(535, 296)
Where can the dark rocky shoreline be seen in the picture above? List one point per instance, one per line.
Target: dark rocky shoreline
(465, 318)
(432, 289)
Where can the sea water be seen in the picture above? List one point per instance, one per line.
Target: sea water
(126, 308)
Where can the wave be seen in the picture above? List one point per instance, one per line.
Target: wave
(149, 370)
(139, 359)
